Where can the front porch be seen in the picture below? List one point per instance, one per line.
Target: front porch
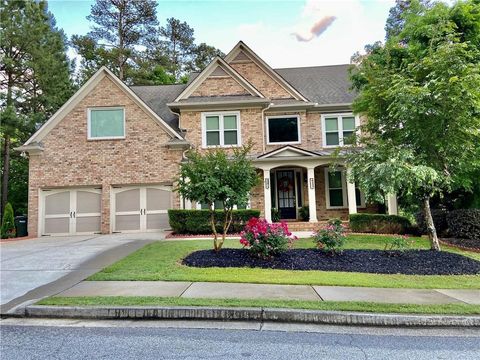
(296, 181)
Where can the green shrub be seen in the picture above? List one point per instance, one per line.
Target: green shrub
(198, 221)
(8, 223)
(331, 237)
(304, 213)
(439, 217)
(379, 224)
(464, 223)
(275, 215)
(397, 245)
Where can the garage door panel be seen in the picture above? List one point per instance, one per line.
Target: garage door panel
(88, 202)
(57, 225)
(127, 200)
(158, 199)
(58, 203)
(88, 224)
(157, 221)
(127, 222)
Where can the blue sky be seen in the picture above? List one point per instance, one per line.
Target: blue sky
(284, 33)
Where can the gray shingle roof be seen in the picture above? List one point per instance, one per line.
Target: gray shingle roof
(321, 84)
(206, 99)
(325, 85)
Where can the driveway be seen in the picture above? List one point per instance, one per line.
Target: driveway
(31, 269)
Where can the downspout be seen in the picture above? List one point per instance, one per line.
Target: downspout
(264, 144)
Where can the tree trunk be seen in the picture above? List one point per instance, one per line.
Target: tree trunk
(5, 170)
(214, 229)
(432, 232)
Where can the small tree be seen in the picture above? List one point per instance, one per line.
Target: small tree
(216, 177)
(8, 223)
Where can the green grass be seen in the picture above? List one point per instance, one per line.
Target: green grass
(162, 261)
(459, 309)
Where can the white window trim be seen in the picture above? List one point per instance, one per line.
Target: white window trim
(340, 128)
(362, 204)
(89, 118)
(267, 118)
(221, 114)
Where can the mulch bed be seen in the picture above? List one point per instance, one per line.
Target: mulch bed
(412, 262)
(468, 244)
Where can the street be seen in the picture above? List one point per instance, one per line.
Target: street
(73, 339)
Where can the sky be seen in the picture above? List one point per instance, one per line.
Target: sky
(283, 33)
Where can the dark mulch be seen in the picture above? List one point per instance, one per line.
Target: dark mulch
(467, 243)
(412, 262)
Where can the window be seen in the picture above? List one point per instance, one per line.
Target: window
(283, 129)
(106, 123)
(338, 129)
(336, 191)
(221, 129)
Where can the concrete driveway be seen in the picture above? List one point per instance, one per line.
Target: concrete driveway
(31, 269)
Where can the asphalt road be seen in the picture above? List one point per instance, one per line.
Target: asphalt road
(137, 340)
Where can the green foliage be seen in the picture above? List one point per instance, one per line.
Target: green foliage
(216, 176)
(464, 223)
(379, 224)
(304, 213)
(397, 245)
(8, 223)
(275, 215)
(332, 237)
(198, 221)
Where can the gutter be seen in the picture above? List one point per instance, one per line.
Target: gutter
(264, 145)
(245, 103)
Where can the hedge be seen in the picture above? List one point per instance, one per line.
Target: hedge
(8, 223)
(439, 220)
(464, 223)
(379, 224)
(198, 221)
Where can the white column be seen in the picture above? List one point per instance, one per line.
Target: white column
(267, 195)
(312, 201)
(351, 196)
(392, 204)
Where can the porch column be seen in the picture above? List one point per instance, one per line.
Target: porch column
(267, 195)
(312, 201)
(351, 196)
(392, 204)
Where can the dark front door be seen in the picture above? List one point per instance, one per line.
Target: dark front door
(286, 194)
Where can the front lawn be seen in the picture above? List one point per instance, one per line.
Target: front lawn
(162, 261)
(450, 309)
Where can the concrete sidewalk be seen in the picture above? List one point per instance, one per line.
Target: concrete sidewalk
(272, 292)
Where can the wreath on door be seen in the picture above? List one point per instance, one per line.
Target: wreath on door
(285, 184)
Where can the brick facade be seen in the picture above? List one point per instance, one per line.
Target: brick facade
(219, 86)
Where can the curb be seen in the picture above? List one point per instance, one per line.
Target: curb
(249, 314)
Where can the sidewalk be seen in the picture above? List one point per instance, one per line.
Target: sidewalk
(271, 292)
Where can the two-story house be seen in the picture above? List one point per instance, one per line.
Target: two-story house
(107, 159)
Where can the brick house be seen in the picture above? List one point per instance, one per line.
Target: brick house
(107, 159)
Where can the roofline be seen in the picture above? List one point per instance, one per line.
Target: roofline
(82, 92)
(312, 66)
(206, 73)
(243, 103)
(276, 76)
(286, 147)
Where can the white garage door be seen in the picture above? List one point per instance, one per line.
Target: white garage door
(141, 208)
(71, 211)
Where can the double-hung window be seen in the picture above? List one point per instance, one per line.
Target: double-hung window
(336, 190)
(106, 123)
(338, 130)
(283, 129)
(221, 129)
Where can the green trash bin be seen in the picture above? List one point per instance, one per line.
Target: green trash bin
(21, 225)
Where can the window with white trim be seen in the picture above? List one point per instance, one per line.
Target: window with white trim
(336, 191)
(221, 129)
(338, 130)
(106, 123)
(283, 129)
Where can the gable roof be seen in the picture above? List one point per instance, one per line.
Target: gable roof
(241, 47)
(215, 64)
(287, 151)
(84, 91)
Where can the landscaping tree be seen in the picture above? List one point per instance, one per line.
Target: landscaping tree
(216, 177)
(420, 93)
(8, 223)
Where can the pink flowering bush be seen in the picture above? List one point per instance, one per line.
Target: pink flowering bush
(266, 240)
(332, 237)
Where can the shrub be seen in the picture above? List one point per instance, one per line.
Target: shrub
(275, 215)
(332, 237)
(439, 220)
(8, 223)
(198, 221)
(266, 240)
(464, 223)
(379, 223)
(397, 245)
(304, 213)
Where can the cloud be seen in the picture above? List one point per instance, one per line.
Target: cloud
(316, 30)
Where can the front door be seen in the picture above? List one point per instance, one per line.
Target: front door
(286, 194)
